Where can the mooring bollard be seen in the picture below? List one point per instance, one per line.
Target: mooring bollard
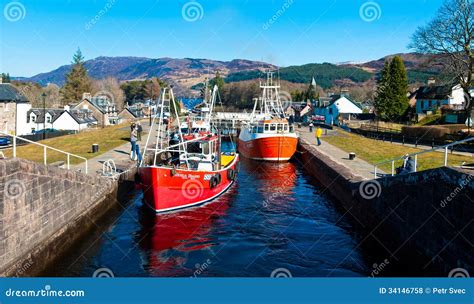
(95, 148)
(352, 156)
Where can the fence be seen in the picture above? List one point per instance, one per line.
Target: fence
(15, 140)
(394, 135)
(415, 155)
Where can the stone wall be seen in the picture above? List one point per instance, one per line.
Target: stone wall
(43, 210)
(429, 213)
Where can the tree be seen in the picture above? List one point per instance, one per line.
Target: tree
(451, 35)
(218, 80)
(391, 101)
(77, 80)
(5, 78)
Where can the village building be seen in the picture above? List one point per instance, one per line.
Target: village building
(103, 109)
(60, 119)
(337, 109)
(13, 109)
(430, 98)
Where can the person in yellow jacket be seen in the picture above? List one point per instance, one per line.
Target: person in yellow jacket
(318, 134)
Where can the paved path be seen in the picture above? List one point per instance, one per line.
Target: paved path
(120, 155)
(358, 166)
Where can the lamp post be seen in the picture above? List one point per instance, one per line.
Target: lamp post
(44, 115)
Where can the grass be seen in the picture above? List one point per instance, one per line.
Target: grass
(374, 151)
(429, 120)
(79, 144)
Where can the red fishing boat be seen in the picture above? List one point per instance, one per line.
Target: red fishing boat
(188, 169)
(268, 136)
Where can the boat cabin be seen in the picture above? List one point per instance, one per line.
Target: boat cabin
(201, 155)
(272, 127)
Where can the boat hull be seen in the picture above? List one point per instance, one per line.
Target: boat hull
(167, 190)
(276, 148)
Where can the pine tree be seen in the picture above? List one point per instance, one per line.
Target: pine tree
(77, 80)
(398, 88)
(391, 101)
(218, 80)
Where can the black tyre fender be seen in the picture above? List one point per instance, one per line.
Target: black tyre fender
(231, 174)
(213, 182)
(218, 178)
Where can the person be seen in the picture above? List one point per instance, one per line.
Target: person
(138, 154)
(133, 140)
(408, 165)
(319, 133)
(139, 131)
(311, 127)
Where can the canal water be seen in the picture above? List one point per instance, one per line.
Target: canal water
(275, 219)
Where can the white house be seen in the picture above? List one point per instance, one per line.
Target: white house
(74, 120)
(336, 108)
(430, 98)
(60, 119)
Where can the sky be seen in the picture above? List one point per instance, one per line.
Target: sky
(39, 36)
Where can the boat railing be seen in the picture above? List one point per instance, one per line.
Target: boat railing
(45, 150)
(415, 155)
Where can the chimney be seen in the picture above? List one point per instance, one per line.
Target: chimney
(67, 108)
(87, 96)
(431, 81)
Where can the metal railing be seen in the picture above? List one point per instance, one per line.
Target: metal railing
(45, 150)
(445, 148)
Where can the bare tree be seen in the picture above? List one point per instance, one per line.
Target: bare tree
(451, 35)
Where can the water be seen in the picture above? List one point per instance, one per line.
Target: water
(274, 219)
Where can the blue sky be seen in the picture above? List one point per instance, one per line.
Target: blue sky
(44, 34)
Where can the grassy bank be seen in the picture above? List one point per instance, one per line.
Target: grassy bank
(374, 151)
(79, 144)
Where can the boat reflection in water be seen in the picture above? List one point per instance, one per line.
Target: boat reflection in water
(166, 240)
(276, 180)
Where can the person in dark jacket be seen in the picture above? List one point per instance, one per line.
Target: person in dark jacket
(139, 131)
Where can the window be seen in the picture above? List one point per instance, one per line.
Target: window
(330, 111)
(280, 127)
(254, 129)
(272, 127)
(33, 118)
(260, 129)
(285, 127)
(48, 118)
(266, 127)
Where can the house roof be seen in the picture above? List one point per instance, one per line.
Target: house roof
(101, 103)
(82, 116)
(434, 92)
(10, 93)
(55, 113)
(334, 98)
(135, 112)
